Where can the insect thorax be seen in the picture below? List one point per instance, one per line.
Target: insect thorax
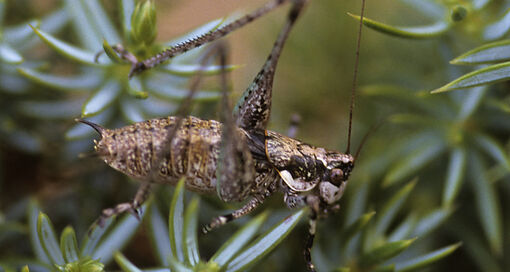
(304, 168)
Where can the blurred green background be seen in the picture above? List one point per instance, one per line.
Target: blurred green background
(436, 169)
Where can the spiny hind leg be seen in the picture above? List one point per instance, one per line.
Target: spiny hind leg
(235, 173)
(253, 109)
(236, 168)
(133, 207)
(252, 204)
(181, 114)
(208, 37)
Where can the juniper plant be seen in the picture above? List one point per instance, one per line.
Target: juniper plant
(456, 138)
(16, 93)
(101, 81)
(455, 142)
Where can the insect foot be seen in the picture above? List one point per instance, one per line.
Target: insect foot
(119, 209)
(222, 220)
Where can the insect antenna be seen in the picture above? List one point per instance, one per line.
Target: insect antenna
(355, 77)
(369, 133)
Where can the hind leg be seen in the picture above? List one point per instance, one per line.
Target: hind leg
(236, 169)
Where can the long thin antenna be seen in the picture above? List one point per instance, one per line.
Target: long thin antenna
(369, 133)
(355, 77)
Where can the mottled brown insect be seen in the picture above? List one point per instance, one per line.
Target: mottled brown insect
(237, 159)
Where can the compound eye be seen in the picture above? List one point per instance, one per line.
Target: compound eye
(337, 176)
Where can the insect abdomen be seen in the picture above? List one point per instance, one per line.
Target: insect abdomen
(193, 152)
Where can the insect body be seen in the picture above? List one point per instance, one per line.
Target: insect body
(239, 159)
(279, 162)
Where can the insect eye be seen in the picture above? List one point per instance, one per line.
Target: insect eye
(337, 176)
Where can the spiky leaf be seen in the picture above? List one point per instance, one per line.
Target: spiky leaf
(176, 219)
(384, 252)
(419, 262)
(487, 75)
(190, 242)
(238, 240)
(48, 239)
(487, 53)
(69, 245)
(417, 32)
(262, 246)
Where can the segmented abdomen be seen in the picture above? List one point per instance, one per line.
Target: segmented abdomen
(192, 153)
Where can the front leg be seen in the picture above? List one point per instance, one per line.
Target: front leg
(293, 200)
(312, 225)
(317, 211)
(314, 203)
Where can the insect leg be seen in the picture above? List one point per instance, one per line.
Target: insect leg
(180, 48)
(236, 172)
(253, 109)
(141, 195)
(158, 156)
(236, 169)
(293, 200)
(309, 241)
(124, 54)
(252, 204)
(121, 51)
(182, 111)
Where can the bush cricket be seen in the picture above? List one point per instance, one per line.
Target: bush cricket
(238, 159)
